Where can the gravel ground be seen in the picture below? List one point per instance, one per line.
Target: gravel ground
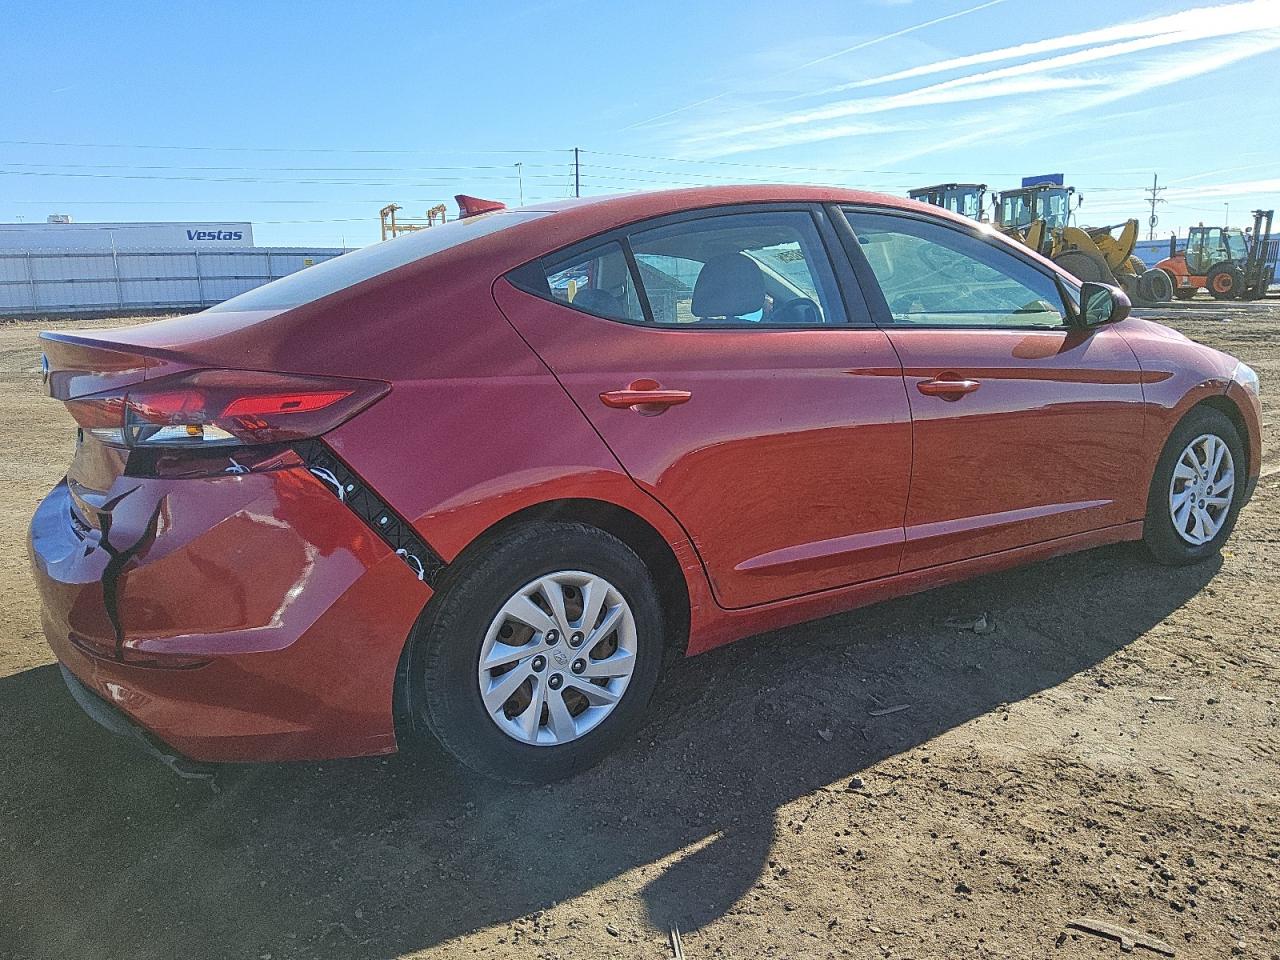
(1111, 750)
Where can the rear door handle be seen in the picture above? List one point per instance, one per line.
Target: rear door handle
(948, 387)
(644, 396)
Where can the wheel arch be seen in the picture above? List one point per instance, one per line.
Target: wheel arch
(1225, 405)
(638, 533)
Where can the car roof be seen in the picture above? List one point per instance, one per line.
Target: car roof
(578, 218)
(628, 207)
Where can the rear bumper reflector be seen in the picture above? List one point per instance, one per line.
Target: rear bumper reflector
(376, 514)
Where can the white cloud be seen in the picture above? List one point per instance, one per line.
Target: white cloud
(1202, 22)
(1026, 120)
(860, 45)
(1239, 188)
(1189, 43)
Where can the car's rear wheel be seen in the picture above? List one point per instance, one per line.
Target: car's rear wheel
(1195, 493)
(539, 654)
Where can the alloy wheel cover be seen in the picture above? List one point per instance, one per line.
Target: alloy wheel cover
(1201, 489)
(557, 658)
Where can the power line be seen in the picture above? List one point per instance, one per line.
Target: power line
(225, 149)
(781, 166)
(346, 169)
(324, 181)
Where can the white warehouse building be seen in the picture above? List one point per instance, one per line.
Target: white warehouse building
(62, 267)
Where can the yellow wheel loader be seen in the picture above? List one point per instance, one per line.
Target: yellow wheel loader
(1038, 215)
(967, 199)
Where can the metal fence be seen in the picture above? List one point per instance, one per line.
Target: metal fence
(111, 281)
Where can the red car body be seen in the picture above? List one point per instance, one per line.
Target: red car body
(257, 616)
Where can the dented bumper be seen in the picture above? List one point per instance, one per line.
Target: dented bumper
(241, 618)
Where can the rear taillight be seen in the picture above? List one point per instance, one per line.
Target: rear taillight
(207, 409)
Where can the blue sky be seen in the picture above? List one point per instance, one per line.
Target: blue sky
(306, 117)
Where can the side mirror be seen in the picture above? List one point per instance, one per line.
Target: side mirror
(1102, 303)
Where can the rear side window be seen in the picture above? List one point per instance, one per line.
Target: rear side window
(932, 275)
(598, 281)
(312, 283)
(741, 269)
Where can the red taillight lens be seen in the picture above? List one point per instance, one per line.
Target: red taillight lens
(211, 408)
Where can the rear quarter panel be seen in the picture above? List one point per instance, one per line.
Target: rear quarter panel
(476, 428)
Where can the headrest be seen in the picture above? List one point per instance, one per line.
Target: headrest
(728, 286)
(601, 302)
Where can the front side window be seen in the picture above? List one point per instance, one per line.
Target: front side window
(933, 275)
(739, 269)
(597, 281)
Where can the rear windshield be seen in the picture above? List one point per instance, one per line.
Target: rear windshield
(312, 283)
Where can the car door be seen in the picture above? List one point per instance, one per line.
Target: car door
(719, 360)
(1027, 427)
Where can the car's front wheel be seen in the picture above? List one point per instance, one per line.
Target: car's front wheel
(1195, 493)
(540, 653)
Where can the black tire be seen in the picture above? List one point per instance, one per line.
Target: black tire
(1185, 293)
(444, 694)
(1159, 532)
(1225, 282)
(1155, 286)
(1085, 266)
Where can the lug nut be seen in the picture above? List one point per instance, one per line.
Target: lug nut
(539, 664)
(576, 640)
(553, 636)
(555, 681)
(579, 666)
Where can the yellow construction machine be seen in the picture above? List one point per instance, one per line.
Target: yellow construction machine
(967, 199)
(392, 227)
(1038, 214)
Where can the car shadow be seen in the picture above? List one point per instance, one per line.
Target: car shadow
(107, 852)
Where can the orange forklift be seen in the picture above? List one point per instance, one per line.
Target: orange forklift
(1230, 264)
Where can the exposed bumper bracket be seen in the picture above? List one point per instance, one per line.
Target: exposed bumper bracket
(376, 514)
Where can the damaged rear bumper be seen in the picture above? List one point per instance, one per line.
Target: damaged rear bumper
(108, 717)
(254, 617)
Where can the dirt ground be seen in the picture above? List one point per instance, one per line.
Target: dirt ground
(1112, 750)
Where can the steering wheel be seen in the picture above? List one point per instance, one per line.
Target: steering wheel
(800, 311)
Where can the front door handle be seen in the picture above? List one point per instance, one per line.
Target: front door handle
(948, 387)
(644, 396)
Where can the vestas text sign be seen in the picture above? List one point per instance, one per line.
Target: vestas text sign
(98, 237)
(223, 235)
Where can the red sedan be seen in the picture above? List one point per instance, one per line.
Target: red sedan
(475, 482)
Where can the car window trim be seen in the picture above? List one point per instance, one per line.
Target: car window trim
(531, 277)
(521, 276)
(880, 311)
(637, 281)
(706, 213)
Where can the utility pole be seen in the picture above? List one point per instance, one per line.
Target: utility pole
(1156, 190)
(577, 172)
